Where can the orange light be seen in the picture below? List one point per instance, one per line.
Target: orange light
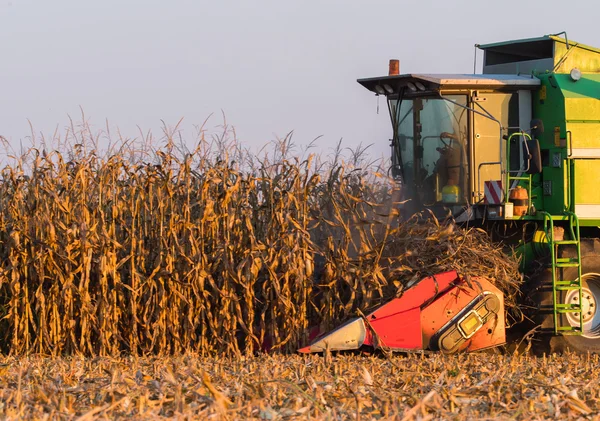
(394, 67)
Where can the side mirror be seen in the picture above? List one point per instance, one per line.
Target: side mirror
(537, 127)
(533, 160)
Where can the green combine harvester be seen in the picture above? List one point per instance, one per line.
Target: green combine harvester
(516, 151)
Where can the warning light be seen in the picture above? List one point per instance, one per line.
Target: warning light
(470, 324)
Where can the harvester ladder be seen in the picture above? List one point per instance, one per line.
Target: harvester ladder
(559, 264)
(515, 179)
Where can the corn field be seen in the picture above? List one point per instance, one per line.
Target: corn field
(104, 255)
(193, 252)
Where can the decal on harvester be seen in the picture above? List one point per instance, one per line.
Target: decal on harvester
(557, 137)
(492, 192)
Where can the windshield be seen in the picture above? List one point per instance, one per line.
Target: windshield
(429, 148)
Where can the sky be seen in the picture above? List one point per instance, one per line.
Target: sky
(269, 67)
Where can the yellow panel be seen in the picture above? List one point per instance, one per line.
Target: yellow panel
(585, 135)
(587, 183)
(582, 109)
(584, 60)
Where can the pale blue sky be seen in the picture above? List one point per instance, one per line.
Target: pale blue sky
(271, 66)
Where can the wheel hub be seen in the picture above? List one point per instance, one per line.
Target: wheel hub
(590, 299)
(588, 306)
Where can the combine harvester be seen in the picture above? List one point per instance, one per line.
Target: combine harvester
(514, 150)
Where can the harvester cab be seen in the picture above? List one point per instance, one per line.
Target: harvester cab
(518, 145)
(434, 118)
(463, 143)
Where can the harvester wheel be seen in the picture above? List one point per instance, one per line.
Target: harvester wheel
(589, 341)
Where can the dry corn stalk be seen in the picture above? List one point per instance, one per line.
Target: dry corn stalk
(192, 253)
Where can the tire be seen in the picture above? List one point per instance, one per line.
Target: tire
(542, 303)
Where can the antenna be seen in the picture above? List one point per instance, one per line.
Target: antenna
(475, 59)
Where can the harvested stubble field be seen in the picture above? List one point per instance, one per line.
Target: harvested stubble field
(473, 386)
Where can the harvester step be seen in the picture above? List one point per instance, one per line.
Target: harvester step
(574, 284)
(567, 287)
(569, 330)
(569, 327)
(566, 242)
(567, 260)
(568, 308)
(567, 283)
(567, 265)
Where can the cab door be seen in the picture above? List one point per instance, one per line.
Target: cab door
(498, 114)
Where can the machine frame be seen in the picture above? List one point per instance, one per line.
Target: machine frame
(534, 114)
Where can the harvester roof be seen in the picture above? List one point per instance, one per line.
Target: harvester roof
(436, 82)
(507, 66)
